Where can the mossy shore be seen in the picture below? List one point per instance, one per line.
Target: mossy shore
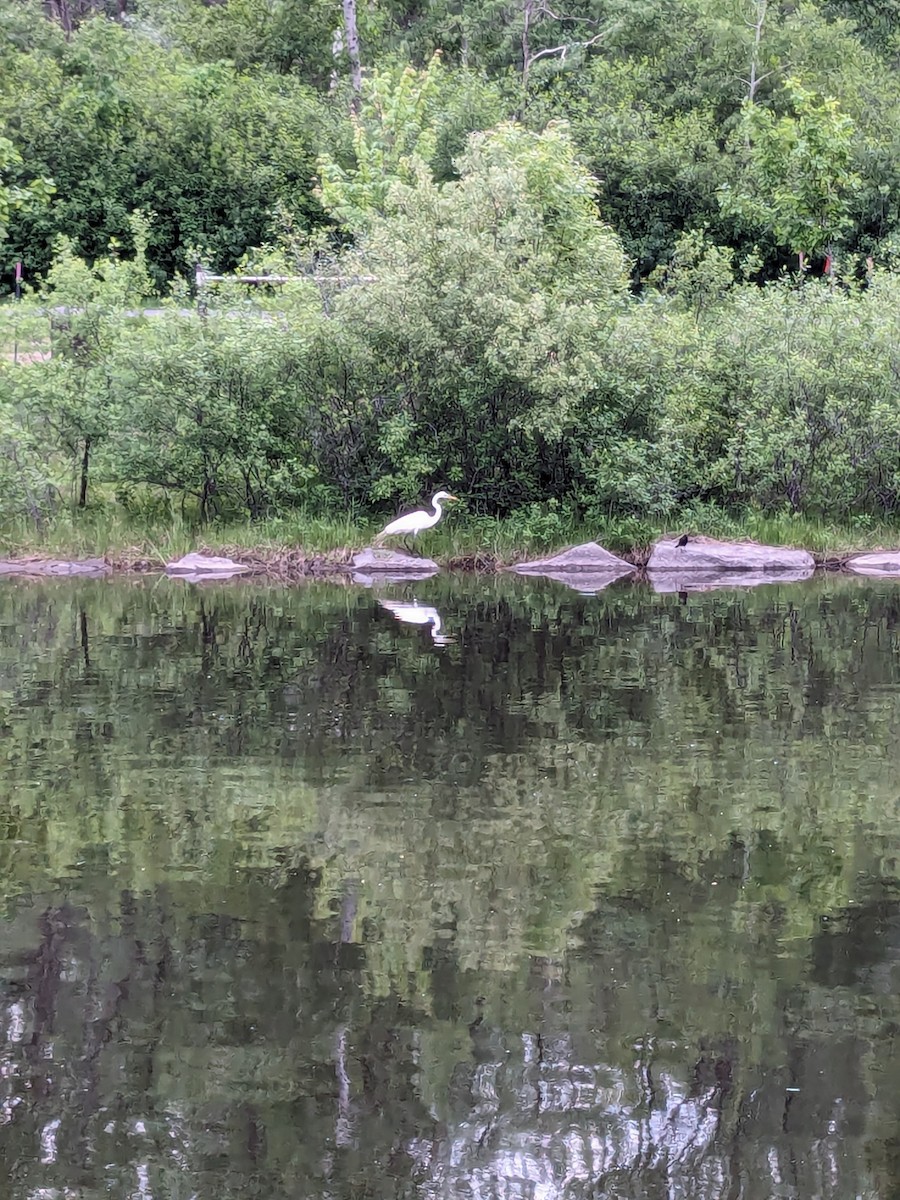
(308, 545)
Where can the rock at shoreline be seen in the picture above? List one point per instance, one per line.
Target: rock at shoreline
(53, 566)
(708, 581)
(578, 561)
(205, 566)
(879, 563)
(707, 554)
(371, 561)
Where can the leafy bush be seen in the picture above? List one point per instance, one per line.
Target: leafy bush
(26, 478)
(776, 398)
(211, 409)
(482, 329)
(478, 337)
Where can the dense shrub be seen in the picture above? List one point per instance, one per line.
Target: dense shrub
(781, 398)
(479, 336)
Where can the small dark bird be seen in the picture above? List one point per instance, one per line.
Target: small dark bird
(682, 542)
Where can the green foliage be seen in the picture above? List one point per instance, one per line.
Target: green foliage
(69, 402)
(120, 123)
(393, 139)
(480, 338)
(26, 479)
(657, 161)
(798, 180)
(15, 196)
(483, 325)
(215, 116)
(816, 424)
(458, 314)
(283, 36)
(206, 411)
(780, 399)
(211, 410)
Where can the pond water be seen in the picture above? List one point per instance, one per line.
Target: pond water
(571, 896)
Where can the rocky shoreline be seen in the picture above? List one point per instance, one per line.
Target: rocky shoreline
(672, 565)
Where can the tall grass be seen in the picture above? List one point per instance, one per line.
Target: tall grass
(786, 529)
(108, 531)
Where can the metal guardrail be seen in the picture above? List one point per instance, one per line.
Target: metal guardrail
(202, 278)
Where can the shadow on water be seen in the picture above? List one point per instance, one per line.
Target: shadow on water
(596, 896)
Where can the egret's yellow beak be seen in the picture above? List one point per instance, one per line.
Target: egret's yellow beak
(453, 497)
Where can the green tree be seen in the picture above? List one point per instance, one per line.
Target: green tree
(72, 398)
(16, 196)
(121, 122)
(485, 322)
(213, 411)
(798, 181)
(394, 137)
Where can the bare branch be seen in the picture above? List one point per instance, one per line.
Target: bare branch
(759, 78)
(564, 49)
(563, 17)
(761, 9)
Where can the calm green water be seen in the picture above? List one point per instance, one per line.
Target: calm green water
(597, 899)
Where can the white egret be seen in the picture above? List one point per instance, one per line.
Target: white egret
(415, 522)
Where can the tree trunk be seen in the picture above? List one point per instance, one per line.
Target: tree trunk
(527, 12)
(352, 36)
(58, 10)
(757, 27)
(85, 464)
(85, 639)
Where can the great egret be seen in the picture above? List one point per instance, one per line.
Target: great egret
(418, 614)
(415, 522)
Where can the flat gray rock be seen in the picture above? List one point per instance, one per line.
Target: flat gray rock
(52, 566)
(206, 566)
(884, 563)
(707, 554)
(709, 581)
(370, 560)
(588, 557)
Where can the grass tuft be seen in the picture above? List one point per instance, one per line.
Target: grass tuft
(479, 543)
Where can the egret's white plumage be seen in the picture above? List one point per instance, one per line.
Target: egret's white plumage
(415, 522)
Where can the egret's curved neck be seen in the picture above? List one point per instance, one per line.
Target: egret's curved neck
(436, 505)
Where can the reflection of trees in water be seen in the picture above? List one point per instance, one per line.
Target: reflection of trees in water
(307, 674)
(555, 941)
(158, 1050)
(569, 1129)
(566, 1128)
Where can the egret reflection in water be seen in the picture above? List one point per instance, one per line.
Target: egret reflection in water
(411, 612)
